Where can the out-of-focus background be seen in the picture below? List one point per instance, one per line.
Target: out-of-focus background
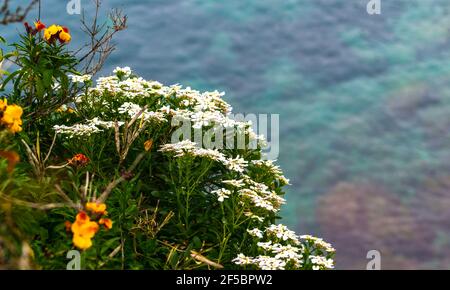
(364, 104)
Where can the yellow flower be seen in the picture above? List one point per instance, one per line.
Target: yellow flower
(51, 31)
(83, 231)
(81, 242)
(94, 207)
(12, 117)
(64, 36)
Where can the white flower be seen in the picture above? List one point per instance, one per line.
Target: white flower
(125, 71)
(222, 193)
(80, 79)
(259, 201)
(187, 147)
(234, 182)
(267, 246)
(269, 263)
(134, 110)
(256, 233)
(287, 252)
(282, 232)
(209, 153)
(237, 164)
(241, 259)
(319, 243)
(180, 148)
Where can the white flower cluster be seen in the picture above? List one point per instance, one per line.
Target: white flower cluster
(282, 232)
(128, 88)
(202, 109)
(77, 130)
(270, 167)
(260, 195)
(189, 148)
(133, 110)
(80, 79)
(282, 251)
(237, 164)
(125, 71)
(321, 263)
(318, 243)
(256, 233)
(82, 130)
(281, 256)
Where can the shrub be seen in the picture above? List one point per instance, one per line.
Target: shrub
(115, 184)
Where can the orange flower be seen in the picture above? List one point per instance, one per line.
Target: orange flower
(68, 226)
(12, 157)
(39, 26)
(79, 160)
(106, 222)
(83, 230)
(148, 145)
(98, 208)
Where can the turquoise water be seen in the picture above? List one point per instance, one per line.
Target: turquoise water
(362, 99)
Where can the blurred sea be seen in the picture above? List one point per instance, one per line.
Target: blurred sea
(364, 104)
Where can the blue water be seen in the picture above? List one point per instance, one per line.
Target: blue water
(362, 99)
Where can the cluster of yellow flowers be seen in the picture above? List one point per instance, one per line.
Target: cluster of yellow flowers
(84, 229)
(10, 116)
(54, 32)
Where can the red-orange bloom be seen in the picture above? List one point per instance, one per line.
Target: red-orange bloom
(39, 26)
(68, 226)
(106, 222)
(79, 160)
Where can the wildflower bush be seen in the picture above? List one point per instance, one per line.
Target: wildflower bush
(94, 166)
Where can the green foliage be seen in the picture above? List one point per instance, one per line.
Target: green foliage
(41, 84)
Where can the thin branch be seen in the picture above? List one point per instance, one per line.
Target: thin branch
(116, 182)
(100, 37)
(47, 206)
(7, 15)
